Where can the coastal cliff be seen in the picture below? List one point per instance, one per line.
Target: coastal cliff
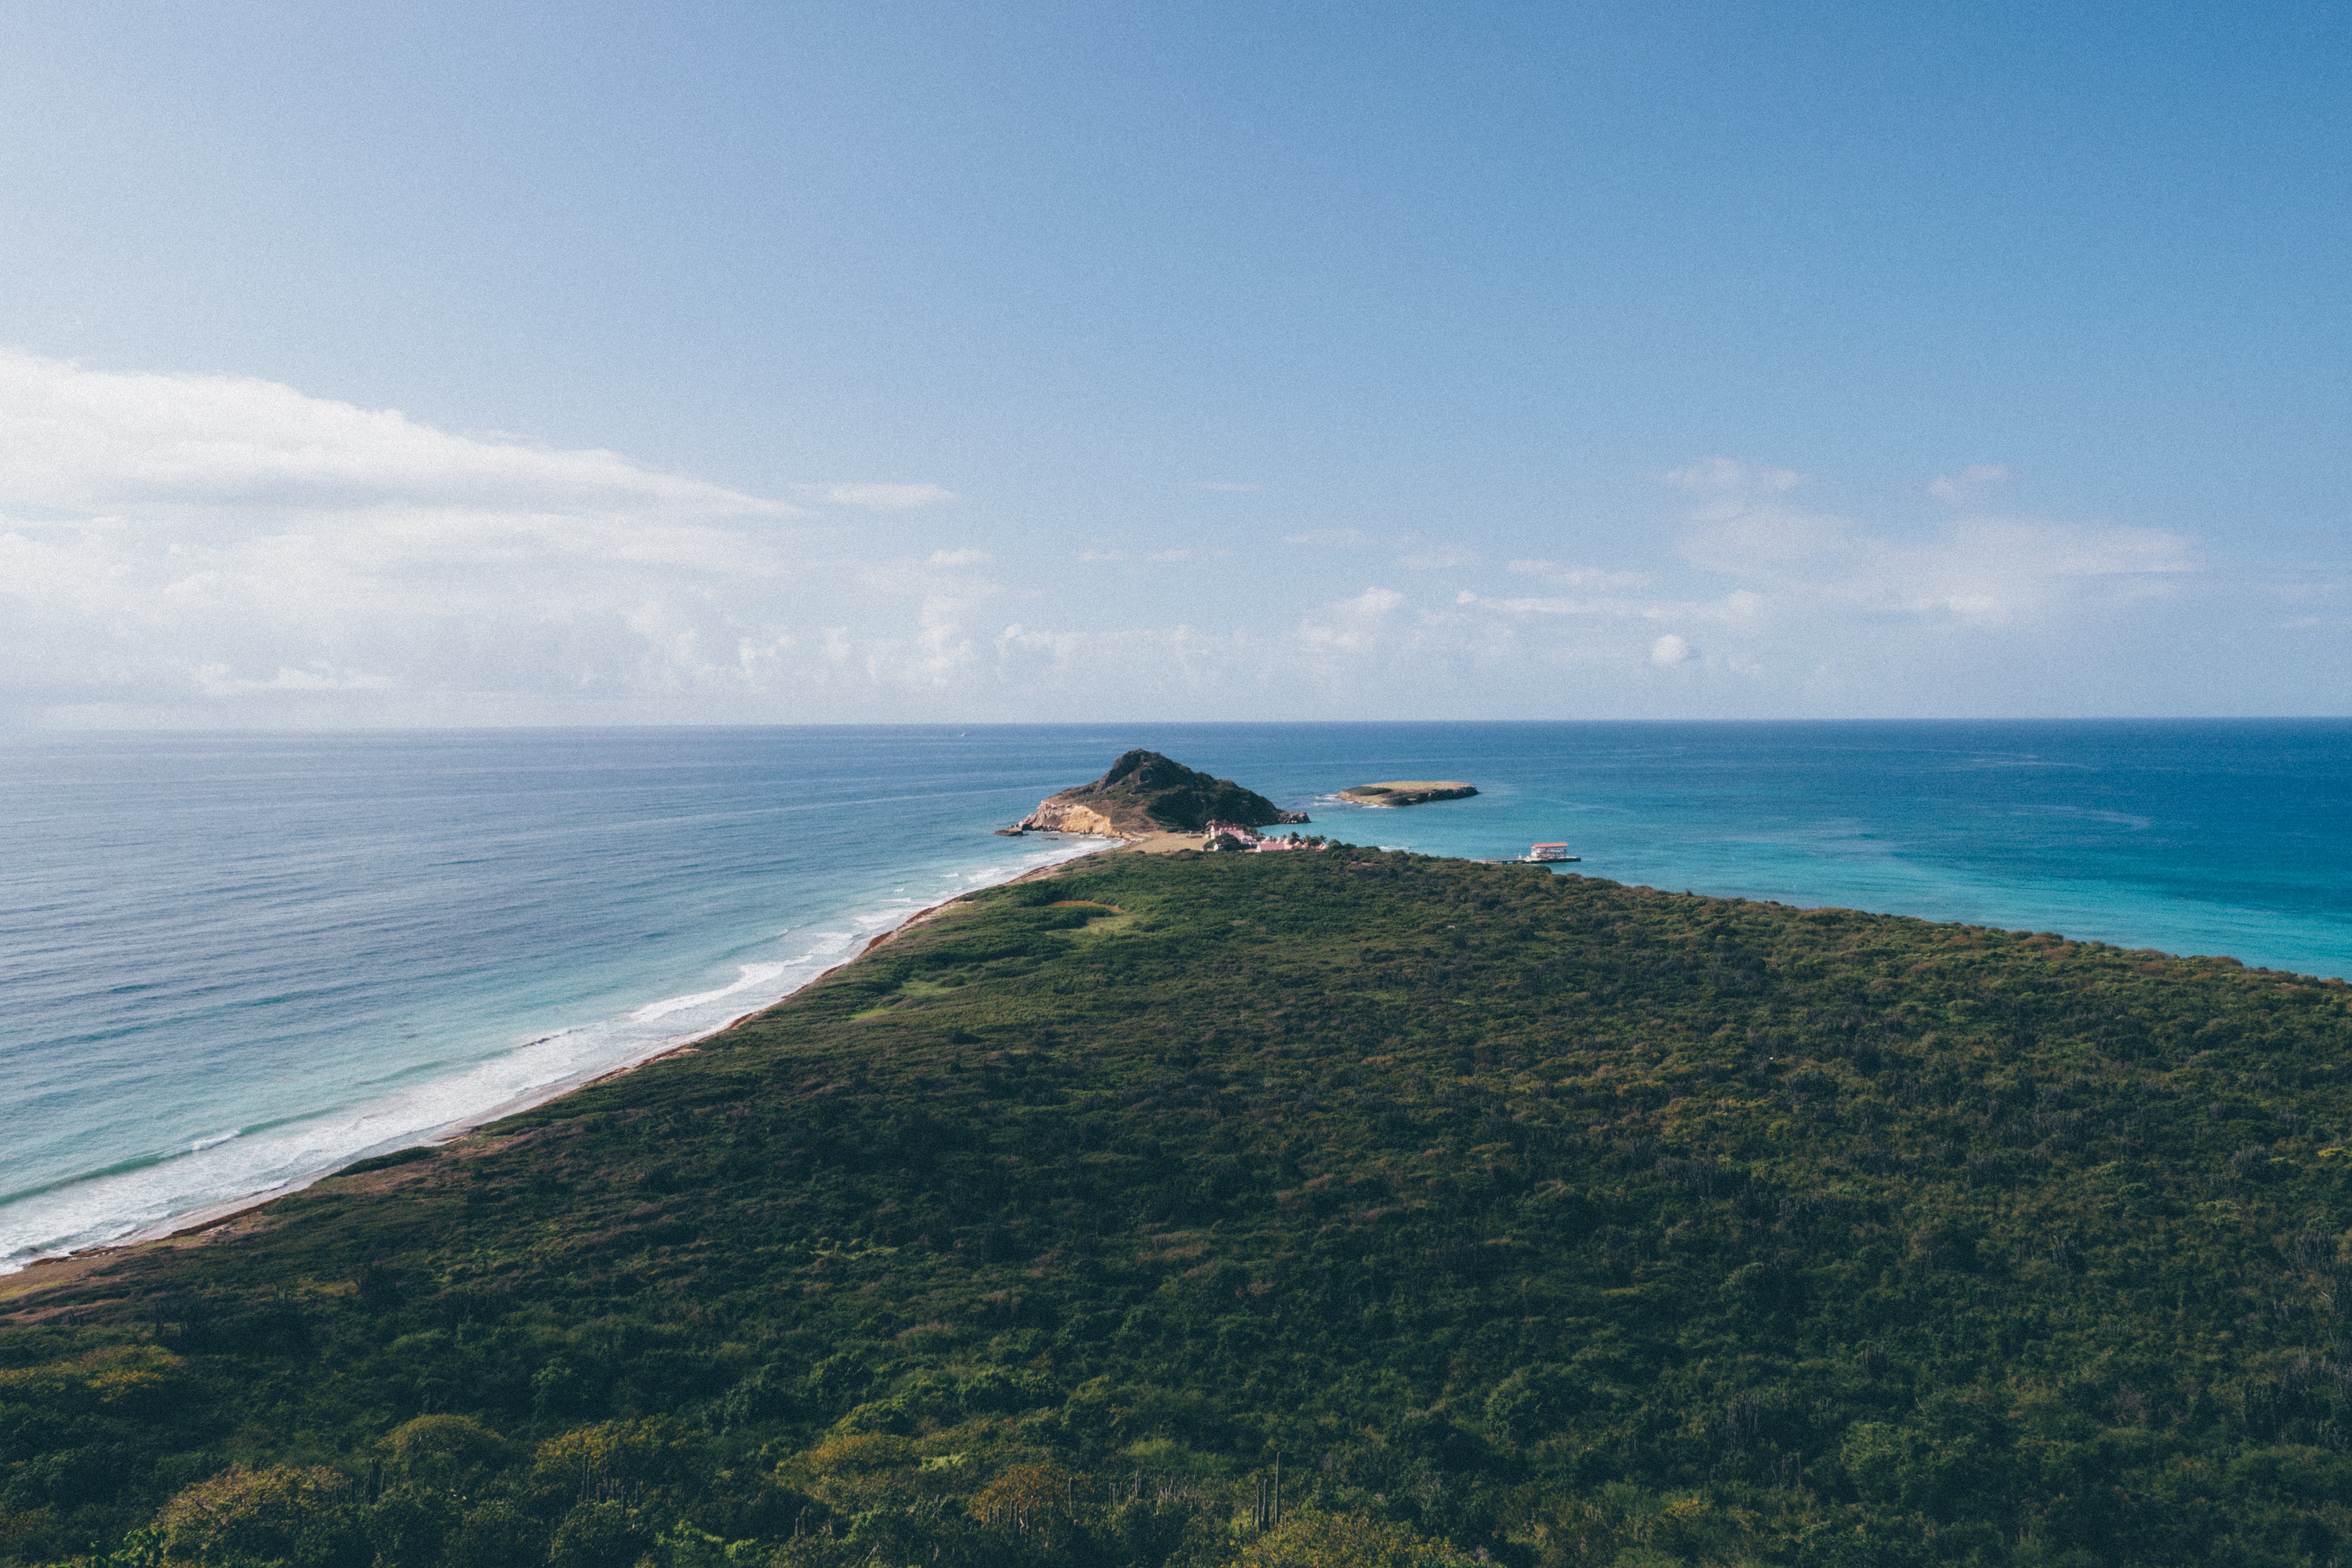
(1145, 792)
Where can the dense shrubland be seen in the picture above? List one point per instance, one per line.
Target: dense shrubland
(1509, 1214)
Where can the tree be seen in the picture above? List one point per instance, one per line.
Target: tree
(246, 1517)
(1311, 1538)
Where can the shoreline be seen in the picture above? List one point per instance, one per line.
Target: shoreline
(526, 1102)
(178, 1229)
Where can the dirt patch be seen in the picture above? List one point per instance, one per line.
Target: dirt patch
(1169, 843)
(1408, 792)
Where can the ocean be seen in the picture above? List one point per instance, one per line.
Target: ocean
(233, 961)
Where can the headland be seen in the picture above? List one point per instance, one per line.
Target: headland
(1159, 1166)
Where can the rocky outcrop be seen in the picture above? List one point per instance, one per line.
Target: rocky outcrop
(1145, 792)
(1058, 816)
(1408, 792)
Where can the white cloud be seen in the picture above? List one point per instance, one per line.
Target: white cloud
(227, 551)
(1569, 576)
(215, 680)
(1159, 557)
(1729, 484)
(75, 440)
(1548, 607)
(877, 496)
(1740, 605)
(1766, 538)
(1438, 560)
(171, 538)
(1981, 569)
(1969, 484)
(1172, 666)
(1730, 474)
(1906, 619)
(1352, 625)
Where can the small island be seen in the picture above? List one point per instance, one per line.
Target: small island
(1145, 794)
(1407, 791)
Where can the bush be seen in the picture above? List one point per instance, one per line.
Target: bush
(1317, 1540)
(443, 1451)
(497, 1535)
(599, 1535)
(280, 1514)
(767, 1393)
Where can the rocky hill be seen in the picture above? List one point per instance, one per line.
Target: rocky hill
(1145, 792)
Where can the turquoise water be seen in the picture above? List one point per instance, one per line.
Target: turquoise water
(2209, 836)
(233, 961)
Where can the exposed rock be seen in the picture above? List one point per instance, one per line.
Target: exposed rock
(1408, 792)
(1145, 792)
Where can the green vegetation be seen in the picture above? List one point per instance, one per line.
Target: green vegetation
(1510, 1213)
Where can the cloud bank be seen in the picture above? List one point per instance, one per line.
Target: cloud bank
(221, 550)
(1783, 607)
(77, 441)
(877, 496)
(185, 546)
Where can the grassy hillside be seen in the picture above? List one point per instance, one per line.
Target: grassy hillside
(1510, 1213)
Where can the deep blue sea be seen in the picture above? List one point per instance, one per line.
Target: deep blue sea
(231, 962)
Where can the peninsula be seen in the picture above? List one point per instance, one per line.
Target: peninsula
(1408, 792)
(1145, 792)
(1518, 1219)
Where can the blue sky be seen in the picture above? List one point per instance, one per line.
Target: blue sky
(903, 361)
